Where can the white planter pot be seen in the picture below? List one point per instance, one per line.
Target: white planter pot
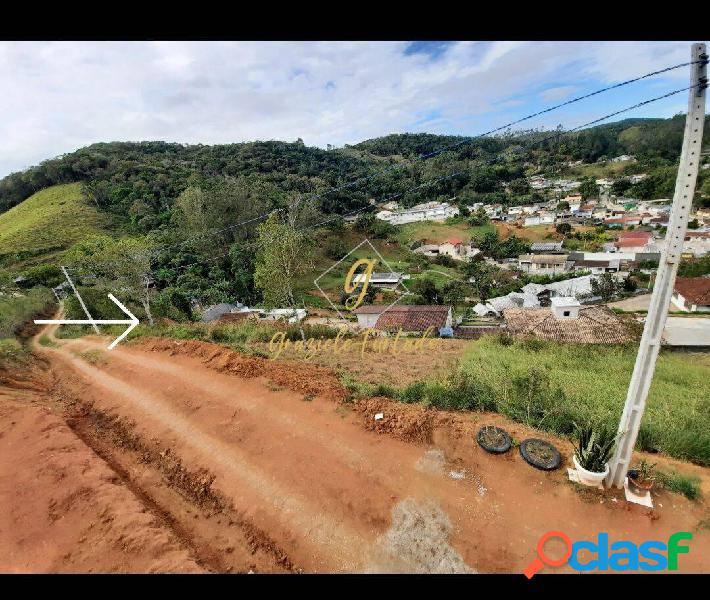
(589, 477)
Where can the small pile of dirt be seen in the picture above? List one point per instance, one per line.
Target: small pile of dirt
(297, 376)
(408, 422)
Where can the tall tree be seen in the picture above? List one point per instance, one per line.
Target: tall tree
(589, 188)
(283, 254)
(120, 266)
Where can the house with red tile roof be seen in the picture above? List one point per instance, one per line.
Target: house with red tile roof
(408, 318)
(692, 294)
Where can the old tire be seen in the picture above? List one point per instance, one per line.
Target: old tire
(500, 448)
(527, 451)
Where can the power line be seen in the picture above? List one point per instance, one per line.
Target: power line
(430, 182)
(458, 144)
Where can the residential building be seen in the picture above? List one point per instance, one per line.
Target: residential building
(543, 264)
(429, 211)
(598, 266)
(692, 294)
(455, 248)
(292, 315)
(214, 312)
(585, 211)
(380, 280)
(697, 243)
(539, 219)
(408, 318)
(635, 241)
(591, 325)
(604, 183)
(574, 201)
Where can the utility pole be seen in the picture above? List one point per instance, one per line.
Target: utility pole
(667, 269)
(86, 310)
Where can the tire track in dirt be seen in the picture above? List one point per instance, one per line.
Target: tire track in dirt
(238, 478)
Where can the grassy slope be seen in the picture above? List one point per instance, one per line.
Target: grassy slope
(46, 224)
(595, 379)
(438, 232)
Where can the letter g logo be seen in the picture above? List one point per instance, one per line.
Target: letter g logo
(353, 302)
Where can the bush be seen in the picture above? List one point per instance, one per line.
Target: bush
(17, 311)
(414, 392)
(171, 304)
(11, 351)
(45, 275)
(335, 249)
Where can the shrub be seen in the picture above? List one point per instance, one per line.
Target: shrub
(46, 275)
(459, 391)
(16, 311)
(11, 351)
(414, 392)
(335, 249)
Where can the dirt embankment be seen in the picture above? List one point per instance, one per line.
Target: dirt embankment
(304, 378)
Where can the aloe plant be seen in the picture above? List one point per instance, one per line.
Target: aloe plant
(593, 447)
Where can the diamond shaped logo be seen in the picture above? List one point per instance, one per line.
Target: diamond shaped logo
(365, 242)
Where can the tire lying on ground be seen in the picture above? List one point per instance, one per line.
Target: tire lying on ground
(493, 439)
(540, 454)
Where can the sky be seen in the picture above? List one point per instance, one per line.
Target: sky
(60, 96)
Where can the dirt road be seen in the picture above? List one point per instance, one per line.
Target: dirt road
(250, 465)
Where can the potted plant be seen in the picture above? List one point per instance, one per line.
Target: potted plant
(642, 477)
(593, 450)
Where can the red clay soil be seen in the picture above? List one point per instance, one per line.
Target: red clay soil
(65, 510)
(259, 465)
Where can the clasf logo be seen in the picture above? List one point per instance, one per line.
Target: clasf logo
(622, 555)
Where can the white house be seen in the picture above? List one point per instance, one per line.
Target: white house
(597, 267)
(457, 249)
(543, 264)
(539, 219)
(429, 211)
(624, 158)
(292, 315)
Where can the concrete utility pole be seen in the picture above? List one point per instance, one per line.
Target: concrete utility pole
(667, 269)
(86, 310)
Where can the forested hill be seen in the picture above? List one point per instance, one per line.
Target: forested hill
(139, 182)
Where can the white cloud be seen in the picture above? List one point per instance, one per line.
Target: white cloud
(555, 94)
(59, 96)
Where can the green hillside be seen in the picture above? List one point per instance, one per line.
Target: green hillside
(46, 224)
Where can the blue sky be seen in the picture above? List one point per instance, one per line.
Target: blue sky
(60, 96)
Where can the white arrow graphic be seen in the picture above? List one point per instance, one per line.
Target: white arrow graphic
(133, 321)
